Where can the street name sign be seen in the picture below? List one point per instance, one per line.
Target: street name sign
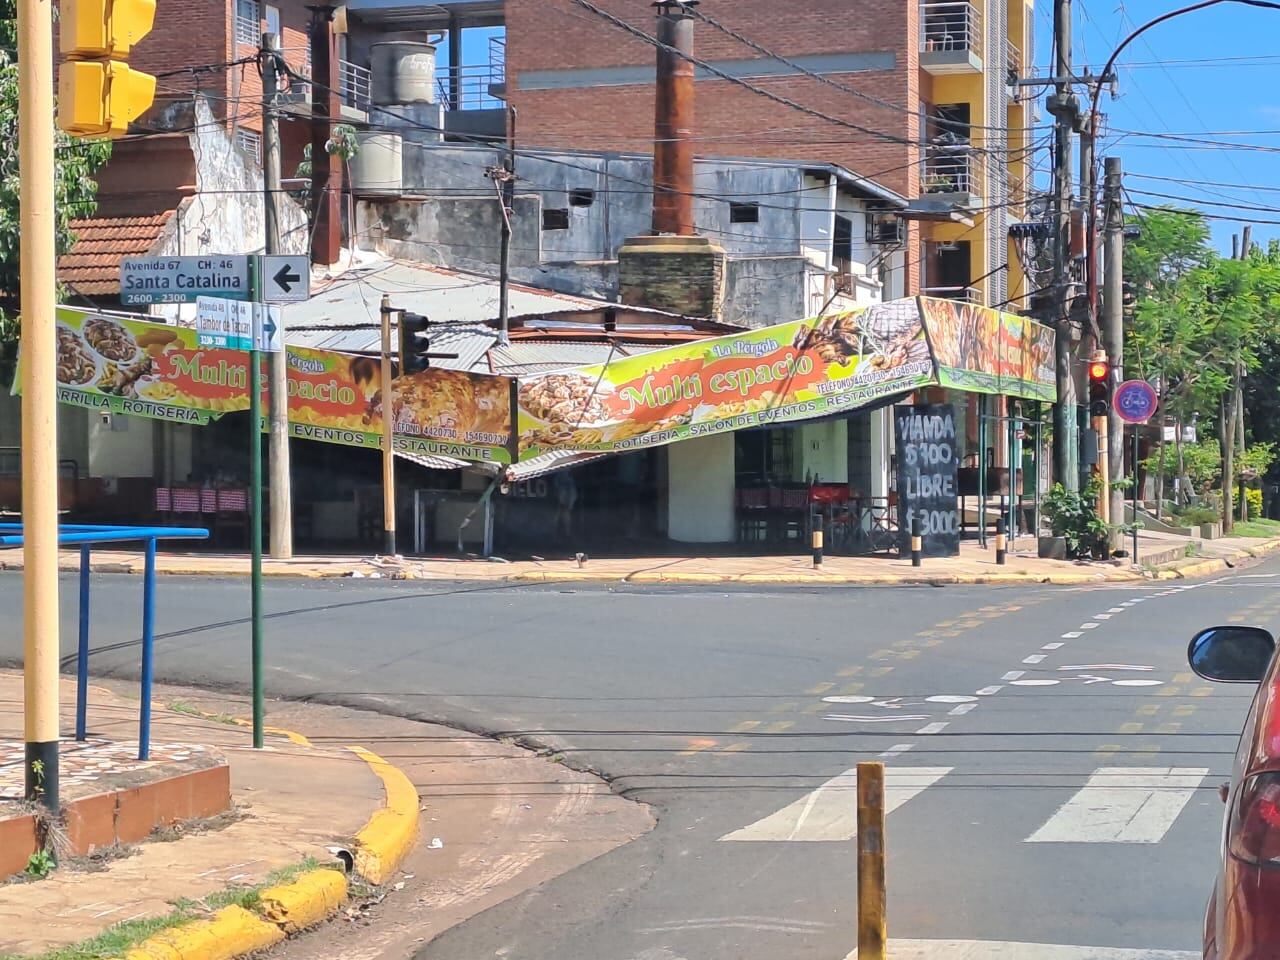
(227, 324)
(285, 278)
(145, 280)
(236, 325)
(1135, 401)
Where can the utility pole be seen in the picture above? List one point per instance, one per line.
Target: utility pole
(1062, 105)
(39, 405)
(504, 178)
(326, 170)
(281, 507)
(1113, 324)
(388, 436)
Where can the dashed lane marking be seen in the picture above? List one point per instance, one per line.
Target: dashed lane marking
(1123, 805)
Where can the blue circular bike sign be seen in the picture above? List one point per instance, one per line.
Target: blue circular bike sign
(1135, 401)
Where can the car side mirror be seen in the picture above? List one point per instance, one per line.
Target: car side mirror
(1231, 654)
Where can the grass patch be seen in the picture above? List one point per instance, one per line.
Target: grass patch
(117, 940)
(1256, 528)
(179, 706)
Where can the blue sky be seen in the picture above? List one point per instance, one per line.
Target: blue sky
(1213, 74)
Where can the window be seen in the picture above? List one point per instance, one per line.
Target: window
(248, 23)
(579, 197)
(555, 219)
(744, 212)
(250, 143)
(842, 245)
(273, 22)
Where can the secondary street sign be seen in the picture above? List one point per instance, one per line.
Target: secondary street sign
(224, 323)
(285, 278)
(184, 279)
(1135, 401)
(268, 331)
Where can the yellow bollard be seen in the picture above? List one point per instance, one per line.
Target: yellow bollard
(871, 890)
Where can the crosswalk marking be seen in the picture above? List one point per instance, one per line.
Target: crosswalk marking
(1005, 950)
(1123, 805)
(831, 811)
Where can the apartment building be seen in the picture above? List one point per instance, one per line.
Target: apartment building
(932, 117)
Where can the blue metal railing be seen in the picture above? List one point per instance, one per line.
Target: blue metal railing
(85, 536)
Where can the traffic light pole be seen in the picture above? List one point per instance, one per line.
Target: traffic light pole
(38, 304)
(1113, 322)
(388, 436)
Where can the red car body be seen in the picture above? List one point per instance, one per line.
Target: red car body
(1243, 917)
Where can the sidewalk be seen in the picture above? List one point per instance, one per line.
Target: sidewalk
(307, 791)
(1162, 555)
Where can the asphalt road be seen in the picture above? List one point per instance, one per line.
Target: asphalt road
(1052, 762)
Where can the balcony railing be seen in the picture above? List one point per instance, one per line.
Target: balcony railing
(950, 27)
(475, 86)
(965, 294)
(354, 82)
(1014, 56)
(951, 170)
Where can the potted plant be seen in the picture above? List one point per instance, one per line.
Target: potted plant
(1076, 532)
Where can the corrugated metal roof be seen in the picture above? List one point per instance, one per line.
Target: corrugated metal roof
(538, 356)
(343, 315)
(550, 463)
(434, 463)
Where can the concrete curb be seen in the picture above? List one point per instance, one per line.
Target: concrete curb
(1200, 567)
(308, 900)
(390, 833)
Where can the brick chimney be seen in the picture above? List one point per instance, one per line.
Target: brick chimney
(673, 268)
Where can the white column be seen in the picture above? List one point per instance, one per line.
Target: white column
(700, 482)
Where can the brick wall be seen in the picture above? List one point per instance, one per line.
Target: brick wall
(556, 35)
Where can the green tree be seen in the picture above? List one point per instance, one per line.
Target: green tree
(75, 190)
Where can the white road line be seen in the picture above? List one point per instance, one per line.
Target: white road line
(1052, 646)
(1072, 635)
(1090, 626)
(1005, 950)
(1013, 675)
(988, 691)
(1128, 603)
(1119, 609)
(1034, 659)
(1102, 616)
(936, 727)
(1123, 805)
(961, 710)
(831, 811)
(897, 750)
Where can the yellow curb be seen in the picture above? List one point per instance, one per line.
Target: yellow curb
(231, 933)
(314, 896)
(390, 833)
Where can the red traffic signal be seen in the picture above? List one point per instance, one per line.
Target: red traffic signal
(1099, 386)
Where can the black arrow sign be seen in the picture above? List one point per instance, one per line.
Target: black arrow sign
(286, 278)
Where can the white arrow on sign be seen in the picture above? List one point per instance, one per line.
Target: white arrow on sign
(285, 278)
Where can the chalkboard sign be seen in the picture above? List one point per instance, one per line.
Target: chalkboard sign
(926, 445)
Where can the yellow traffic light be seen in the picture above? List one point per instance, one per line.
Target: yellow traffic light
(90, 29)
(99, 94)
(98, 98)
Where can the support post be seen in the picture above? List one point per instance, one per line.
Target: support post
(148, 649)
(388, 436)
(508, 198)
(281, 512)
(326, 108)
(1135, 495)
(872, 932)
(255, 539)
(1000, 543)
(1065, 428)
(39, 405)
(917, 543)
(817, 540)
(82, 647)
